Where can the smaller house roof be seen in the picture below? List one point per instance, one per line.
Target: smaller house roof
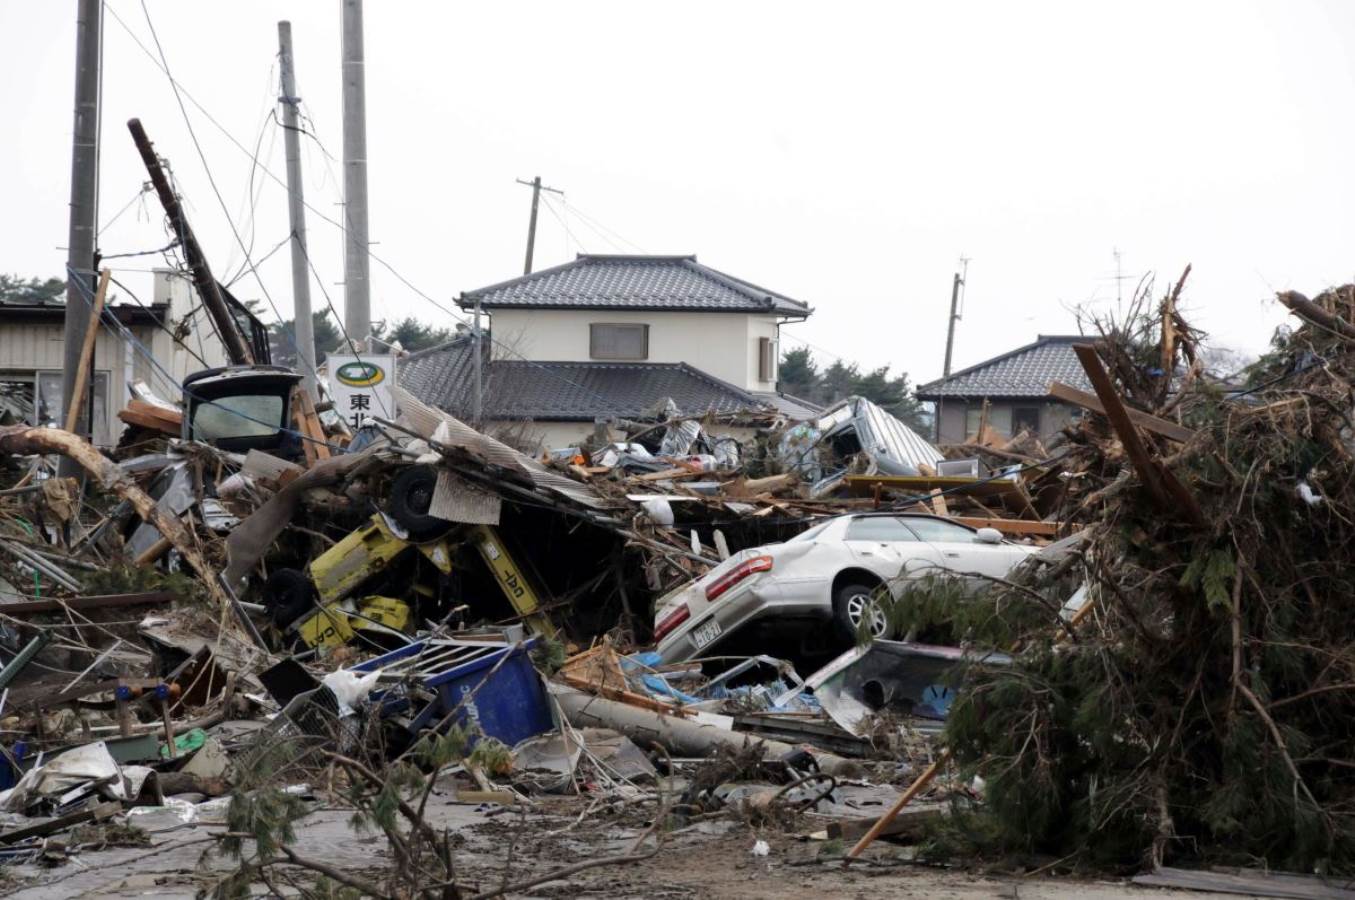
(443, 376)
(1023, 372)
(627, 282)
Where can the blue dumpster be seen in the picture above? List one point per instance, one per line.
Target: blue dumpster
(510, 706)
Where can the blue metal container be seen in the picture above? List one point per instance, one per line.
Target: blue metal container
(510, 706)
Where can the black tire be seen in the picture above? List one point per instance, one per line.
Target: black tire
(851, 600)
(411, 494)
(288, 595)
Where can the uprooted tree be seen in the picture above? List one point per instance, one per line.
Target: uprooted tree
(1206, 709)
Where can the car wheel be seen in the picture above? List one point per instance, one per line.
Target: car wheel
(853, 602)
(288, 595)
(411, 494)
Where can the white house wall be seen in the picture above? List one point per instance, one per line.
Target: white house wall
(724, 345)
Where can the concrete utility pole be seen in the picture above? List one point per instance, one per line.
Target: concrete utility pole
(304, 327)
(535, 185)
(357, 312)
(954, 315)
(479, 379)
(237, 348)
(84, 206)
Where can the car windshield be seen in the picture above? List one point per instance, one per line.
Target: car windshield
(937, 531)
(247, 415)
(811, 533)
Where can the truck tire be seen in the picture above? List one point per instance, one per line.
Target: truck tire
(851, 601)
(288, 595)
(411, 494)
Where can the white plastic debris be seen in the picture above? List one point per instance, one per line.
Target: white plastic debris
(1309, 496)
(350, 688)
(761, 848)
(658, 509)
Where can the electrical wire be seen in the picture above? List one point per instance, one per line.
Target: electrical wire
(122, 331)
(180, 93)
(211, 180)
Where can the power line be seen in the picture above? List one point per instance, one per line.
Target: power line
(180, 92)
(203, 158)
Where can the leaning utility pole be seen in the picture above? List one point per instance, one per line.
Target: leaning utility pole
(357, 311)
(535, 185)
(84, 207)
(208, 289)
(303, 326)
(954, 314)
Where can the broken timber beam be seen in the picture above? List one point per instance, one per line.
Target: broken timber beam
(98, 601)
(1164, 487)
(1147, 422)
(1011, 526)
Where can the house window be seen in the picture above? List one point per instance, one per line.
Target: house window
(1026, 418)
(766, 359)
(999, 419)
(611, 341)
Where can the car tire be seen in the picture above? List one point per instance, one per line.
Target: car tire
(411, 494)
(288, 594)
(851, 600)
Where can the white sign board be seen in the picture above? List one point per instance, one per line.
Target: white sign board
(362, 387)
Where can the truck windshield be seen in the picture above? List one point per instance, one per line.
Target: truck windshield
(246, 415)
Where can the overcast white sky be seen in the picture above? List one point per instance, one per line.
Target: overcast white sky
(844, 154)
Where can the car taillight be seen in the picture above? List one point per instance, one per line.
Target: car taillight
(672, 620)
(750, 566)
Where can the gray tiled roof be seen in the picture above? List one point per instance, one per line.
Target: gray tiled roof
(1023, 372)
(564, 391)
(633, 282)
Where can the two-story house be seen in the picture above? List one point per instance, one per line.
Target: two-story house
(609, 337)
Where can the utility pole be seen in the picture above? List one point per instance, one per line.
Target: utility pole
(479, 383)
(304, 326)
(208, 289)
(954, 312)
(535, 185)
(84, 207)
(357, 311)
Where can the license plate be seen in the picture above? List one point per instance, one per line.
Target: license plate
(704, 634)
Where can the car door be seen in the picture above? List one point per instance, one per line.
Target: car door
(960, 550)
(890, 549)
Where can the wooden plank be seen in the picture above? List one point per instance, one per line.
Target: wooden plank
(308, 421)
(909, 823)
(97, 601)
(938, 499)
(1160, 483)
(1147, 422)
(1253, 884)
(1011, 526)
(665, 475)
(87, 353)
(51, 826)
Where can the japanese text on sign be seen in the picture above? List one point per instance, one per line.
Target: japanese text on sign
(363, 387)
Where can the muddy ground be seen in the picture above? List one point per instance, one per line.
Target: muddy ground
(710, 859)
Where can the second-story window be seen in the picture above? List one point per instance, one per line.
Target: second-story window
(618, 341)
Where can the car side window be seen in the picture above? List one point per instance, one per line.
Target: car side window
(938, 531)
(878, 528)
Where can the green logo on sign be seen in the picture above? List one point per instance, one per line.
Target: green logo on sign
(360, 374)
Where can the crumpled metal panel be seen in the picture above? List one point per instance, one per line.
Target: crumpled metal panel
(425, 420)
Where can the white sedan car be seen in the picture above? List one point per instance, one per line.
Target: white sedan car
(827, 575)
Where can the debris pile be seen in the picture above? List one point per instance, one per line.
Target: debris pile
(1203, 708)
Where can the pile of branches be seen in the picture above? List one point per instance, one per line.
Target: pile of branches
(1205, 709)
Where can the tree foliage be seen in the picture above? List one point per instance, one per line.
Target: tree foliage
(411, 334)
(800, 376)
(15, 289)
(282, 338)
